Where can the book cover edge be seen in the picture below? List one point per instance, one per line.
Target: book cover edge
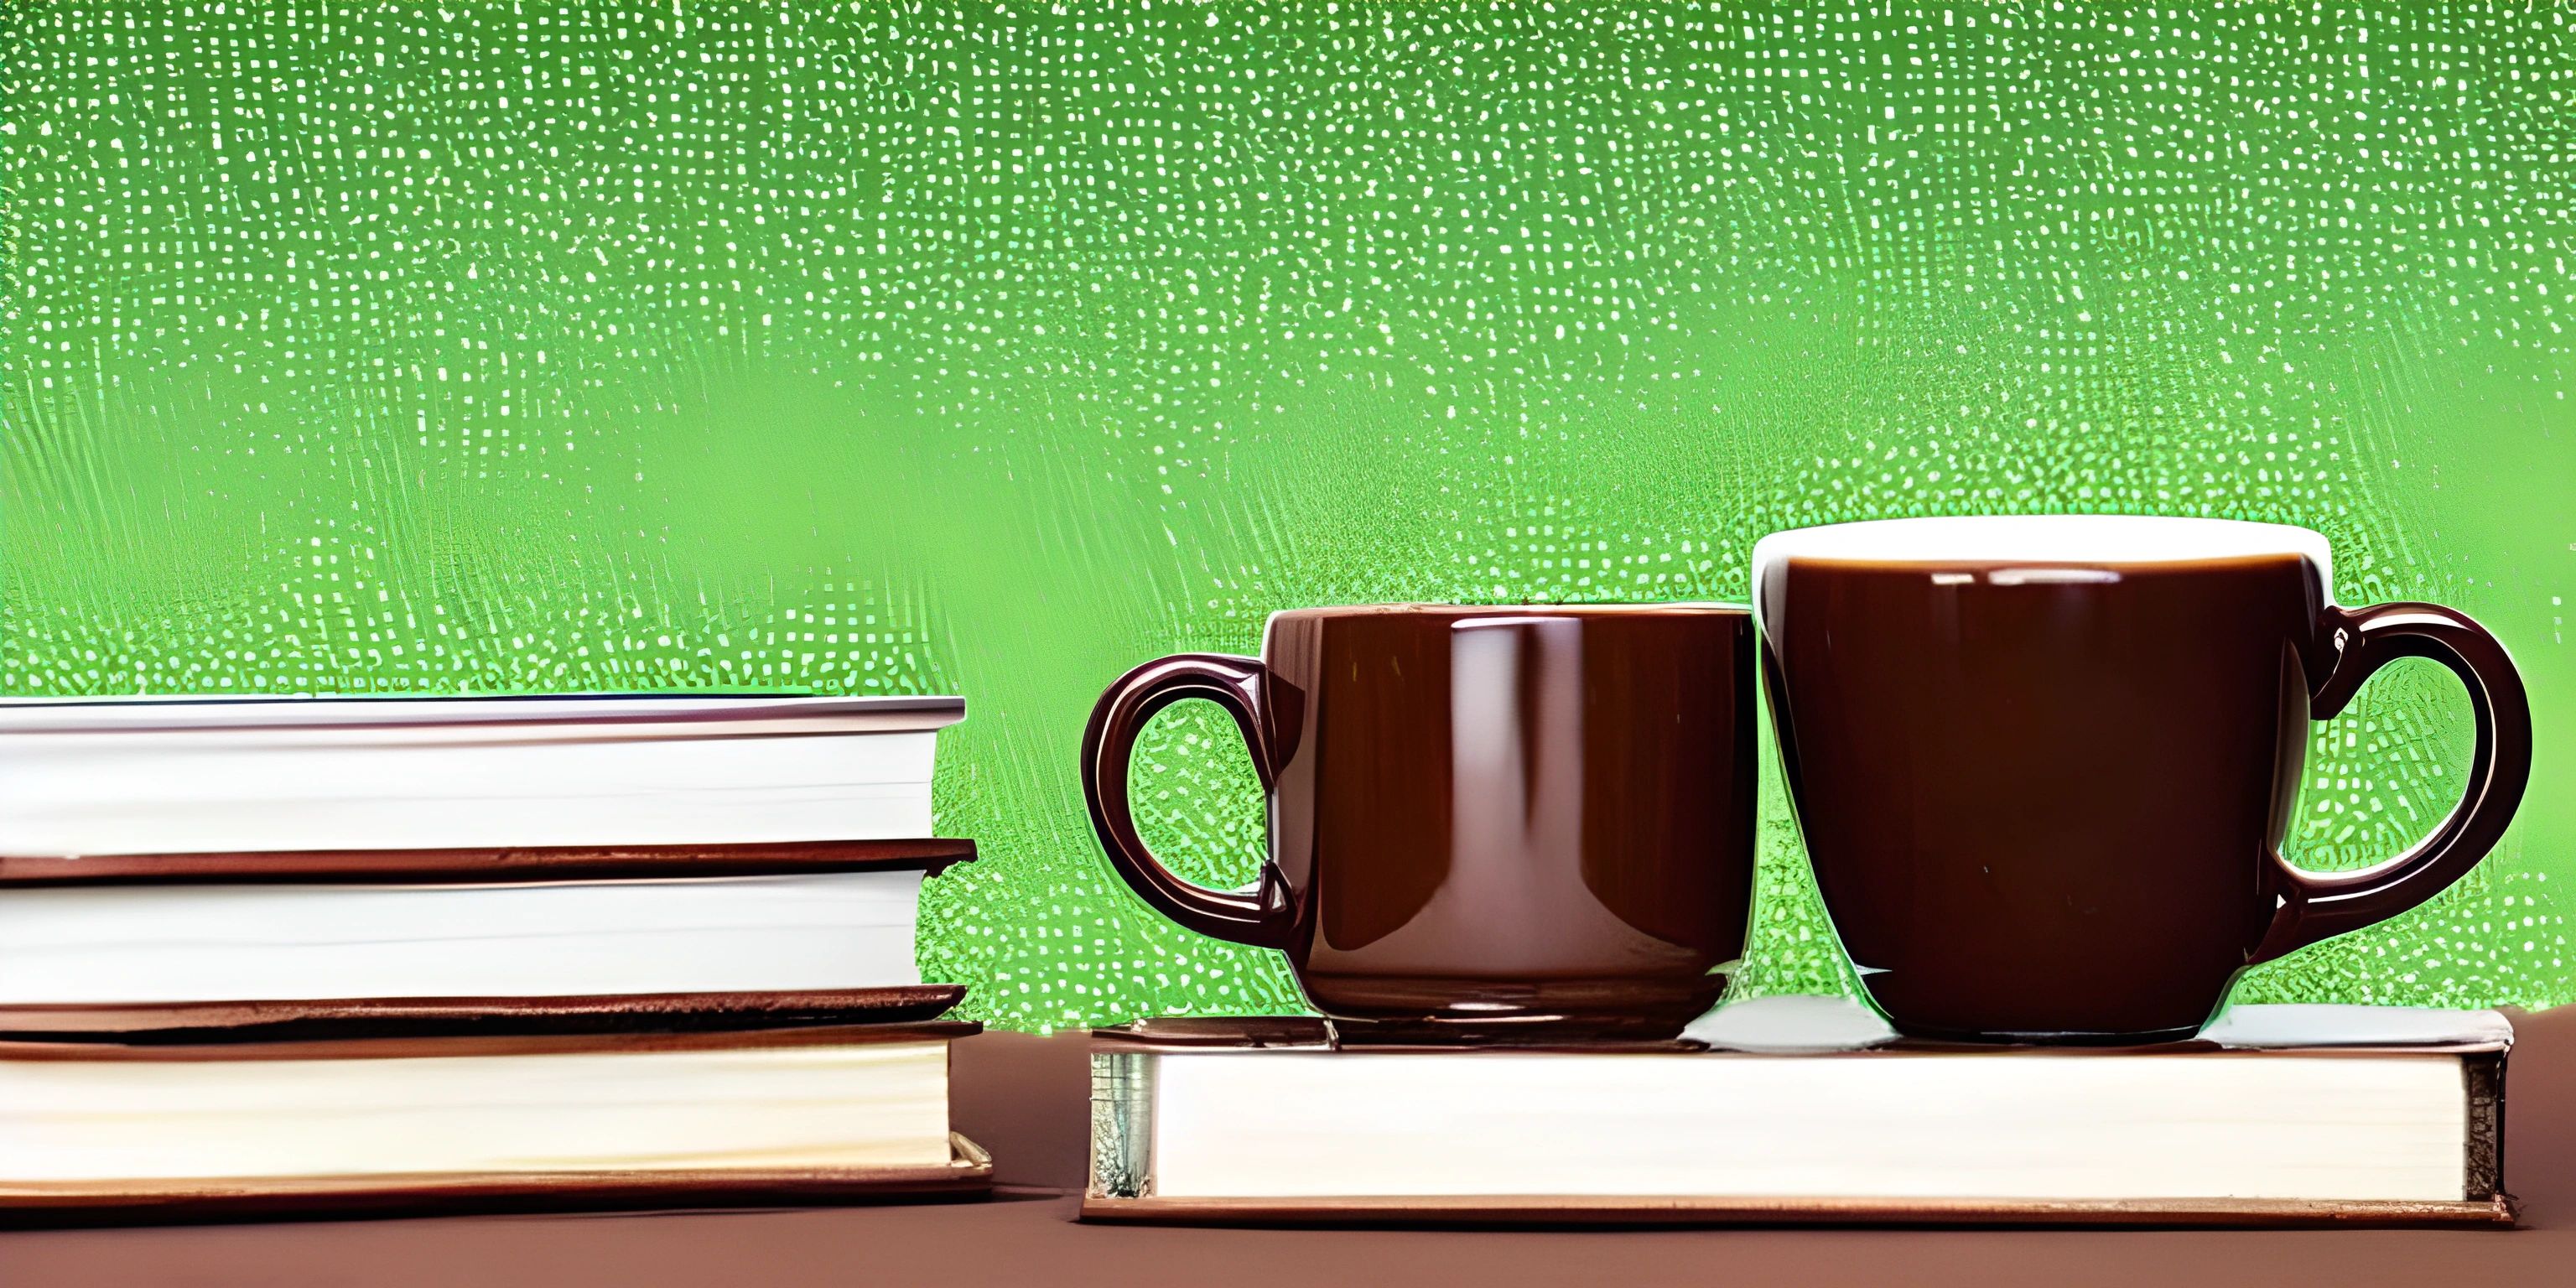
(395, 1047)
(967, 1174)
(492, 865)
(2497, 1211)
(297, 1019)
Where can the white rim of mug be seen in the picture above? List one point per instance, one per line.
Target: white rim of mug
(2039, 541)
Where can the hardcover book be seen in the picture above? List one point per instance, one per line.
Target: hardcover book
(158, 776)
(320, 941)
(175, 868)
(1800, 1109)
(92, 1130)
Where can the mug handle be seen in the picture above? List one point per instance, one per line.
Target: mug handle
(1263, 919)
(2316, 906)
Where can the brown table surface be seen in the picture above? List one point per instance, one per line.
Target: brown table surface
(1025, 1098)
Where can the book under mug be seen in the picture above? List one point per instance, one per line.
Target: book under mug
(1809, 1113)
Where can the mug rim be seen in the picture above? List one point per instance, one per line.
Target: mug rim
(2040, 540)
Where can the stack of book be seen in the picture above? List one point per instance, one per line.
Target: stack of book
(280, 954)
(1802, 1109)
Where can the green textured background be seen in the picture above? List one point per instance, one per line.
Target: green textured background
(879, 348)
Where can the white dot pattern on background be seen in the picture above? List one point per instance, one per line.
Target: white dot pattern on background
(995, 348)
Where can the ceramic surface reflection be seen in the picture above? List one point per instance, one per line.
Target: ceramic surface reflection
(2043, 767)
(1485, 823)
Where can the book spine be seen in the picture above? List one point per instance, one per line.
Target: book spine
(2484, 1074)
(1122, 1124)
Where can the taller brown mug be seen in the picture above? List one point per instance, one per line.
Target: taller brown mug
(1484, 822)
(2044, 765)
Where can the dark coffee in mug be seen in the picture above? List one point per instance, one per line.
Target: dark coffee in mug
(1485, 823)
(2044, 765)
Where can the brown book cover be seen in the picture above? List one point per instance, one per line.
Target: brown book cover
(273, 1021)
(1124, 1100)
(931, 855)
(397, 1046)
(966, 1174)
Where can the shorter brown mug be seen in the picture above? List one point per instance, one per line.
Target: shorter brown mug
(1485, 823)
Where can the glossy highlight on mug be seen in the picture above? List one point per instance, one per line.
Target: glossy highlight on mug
(1486, 823)
(2043, 766)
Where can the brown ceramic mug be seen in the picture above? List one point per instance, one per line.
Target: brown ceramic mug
(2044, 765)
(1484, 822)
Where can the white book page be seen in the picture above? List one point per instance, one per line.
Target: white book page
(174, 794)
(188, 943)
(875, 1104)
(1876, 1126)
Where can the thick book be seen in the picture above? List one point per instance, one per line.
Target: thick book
(314, 942)
(181, 776)
(117, 1132)
(1791, 1110)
